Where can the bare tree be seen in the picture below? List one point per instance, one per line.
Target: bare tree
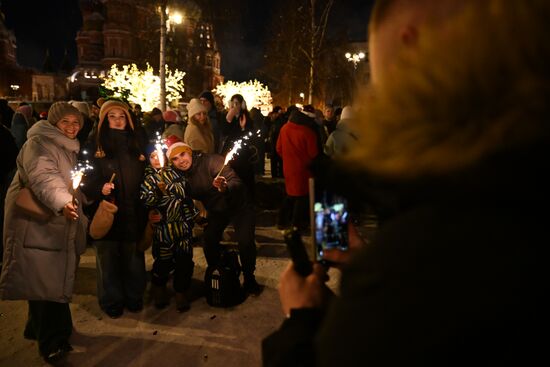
(316, 39)
(284, 65)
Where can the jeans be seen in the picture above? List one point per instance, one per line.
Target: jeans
(121, 276)
(244, 224)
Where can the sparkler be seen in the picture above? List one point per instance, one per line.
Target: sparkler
(235, 150)
(159, 148)
(77, 173)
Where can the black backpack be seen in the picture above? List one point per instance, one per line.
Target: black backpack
(223, 286)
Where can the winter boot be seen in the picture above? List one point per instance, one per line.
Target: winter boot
(160, 296)
(182, 303)
(251, 286)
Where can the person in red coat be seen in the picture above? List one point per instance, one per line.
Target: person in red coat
(297, 145)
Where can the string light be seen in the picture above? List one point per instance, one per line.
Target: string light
(143, 85)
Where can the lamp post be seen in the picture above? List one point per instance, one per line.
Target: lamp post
(14, 88)
(165, 20)
(302, 96)
(355, 58)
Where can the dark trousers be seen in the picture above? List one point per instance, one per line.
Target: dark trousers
(295, 212)
(244, 223)
(49, 323)
(181, 265)
(121, 276)
(276, 165)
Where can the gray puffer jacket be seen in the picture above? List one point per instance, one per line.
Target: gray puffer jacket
(41, 257)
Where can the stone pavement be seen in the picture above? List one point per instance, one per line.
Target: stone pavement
(204, 336)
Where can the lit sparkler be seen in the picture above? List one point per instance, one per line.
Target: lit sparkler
(235, 150)
(159, 147)
(77, 173)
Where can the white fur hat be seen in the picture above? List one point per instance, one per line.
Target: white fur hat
(83, 107)
(195, 106)
(347, 113)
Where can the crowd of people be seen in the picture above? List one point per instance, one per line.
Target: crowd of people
(154, 199)
(447, 146)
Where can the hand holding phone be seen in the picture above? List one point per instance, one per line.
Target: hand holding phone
(329, 222)
(298, 253)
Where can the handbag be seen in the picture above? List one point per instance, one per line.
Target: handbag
(28, 204)
(103, 219)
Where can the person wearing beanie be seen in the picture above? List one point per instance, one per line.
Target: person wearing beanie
(174, 124)
(170, 117)
(171, 214)
(343, 138)
(198, 133)
(42, 250)
(298, 146)
(154, 124)
(238, 125)
(21, 121)
(84, 108)
(216, 118)
(119, 164)
(226, 200)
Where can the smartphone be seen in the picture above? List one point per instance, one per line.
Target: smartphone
(298, 252)
(329, 215)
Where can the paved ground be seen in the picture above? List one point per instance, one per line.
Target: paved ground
(204, 336)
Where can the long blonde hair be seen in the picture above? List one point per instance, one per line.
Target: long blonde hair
(205, 129)
(475, 90)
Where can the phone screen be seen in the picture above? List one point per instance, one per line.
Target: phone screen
(329, 217)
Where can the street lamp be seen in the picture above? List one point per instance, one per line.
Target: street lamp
(355, 58)
(302, 96)
(165, 22)
(14, 88)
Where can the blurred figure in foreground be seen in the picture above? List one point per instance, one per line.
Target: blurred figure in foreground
(457, 121)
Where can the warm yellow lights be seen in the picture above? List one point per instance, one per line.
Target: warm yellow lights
(143, 85)
(254, 93)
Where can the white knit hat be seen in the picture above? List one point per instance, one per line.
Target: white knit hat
(195, 106)
(347, 113)
(83, 107)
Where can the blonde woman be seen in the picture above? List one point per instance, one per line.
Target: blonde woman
(198, 133)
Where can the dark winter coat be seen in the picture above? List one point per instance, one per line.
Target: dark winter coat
(129, 168)
(200, 176)
(458, 275)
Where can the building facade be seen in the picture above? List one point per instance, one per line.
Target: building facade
(127, 31)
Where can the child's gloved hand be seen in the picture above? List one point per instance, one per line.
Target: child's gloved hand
(154, 216)
(162, 186)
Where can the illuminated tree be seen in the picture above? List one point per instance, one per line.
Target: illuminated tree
(254, 93)
(142, 86)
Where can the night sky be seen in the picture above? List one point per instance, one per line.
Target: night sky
(39, 25)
